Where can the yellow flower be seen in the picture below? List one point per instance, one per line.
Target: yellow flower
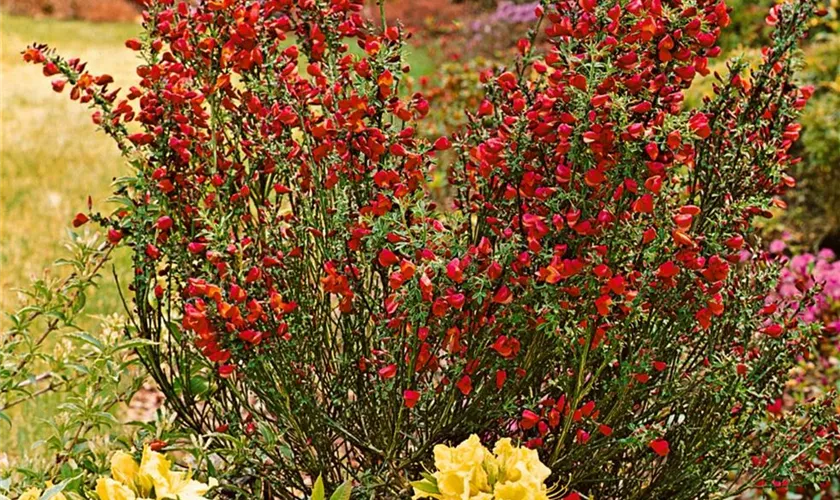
(182, 487)
(460, 471)
(154, 472)
(519, 464)
(521, 490)
(453, 485)
(124, 468)
(108, 489)
(470, 472)
(135, 482)
(31, 494)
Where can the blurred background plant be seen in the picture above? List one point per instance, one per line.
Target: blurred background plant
(47, 358)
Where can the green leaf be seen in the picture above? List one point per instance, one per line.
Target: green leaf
(87, 338)
(430, 478)
(5, 418)
(343, 492)
(426, 487)
(55, 490)
(318, 489)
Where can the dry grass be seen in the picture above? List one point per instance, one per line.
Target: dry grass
(51, 158)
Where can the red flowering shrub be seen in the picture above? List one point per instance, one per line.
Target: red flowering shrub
(583, 293)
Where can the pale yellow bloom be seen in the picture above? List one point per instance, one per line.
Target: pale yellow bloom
(521, 490)
(470, 472)
(135, 482)
(124, 468)
(108, 489)
(182, 487)
(31, 494)
(154, 472)
(461, 474)
(519, 464)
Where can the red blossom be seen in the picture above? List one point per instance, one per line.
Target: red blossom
(660, 447)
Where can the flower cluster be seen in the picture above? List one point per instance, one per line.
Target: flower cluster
(152, 478)
(806, 272)
(470, 471)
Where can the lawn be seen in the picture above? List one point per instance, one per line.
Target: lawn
(52, 158)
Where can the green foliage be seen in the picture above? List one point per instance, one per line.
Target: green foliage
(44, 352)
(819, 173)
(341, 493)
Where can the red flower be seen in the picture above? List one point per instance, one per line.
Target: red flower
(644, 204)
(699, 124)
(453, 270)
(114, 236)
(152, 252)
(775, 330)
(411, 397)
(465, 385)
(442, 144)
(388, 372)
(164, 223)
(80, 219)
(660, 447)
(529, 420)
(507, 347)
(387, 258)
(251, 336)
(668, 270)
(716, 270)
(775, 407)
(582, 436)
(456, 300)
(503, 295)
(501, 377)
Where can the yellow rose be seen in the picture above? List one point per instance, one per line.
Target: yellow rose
(124, 468)
(108, 489)
(154, 472)
(31, 494)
